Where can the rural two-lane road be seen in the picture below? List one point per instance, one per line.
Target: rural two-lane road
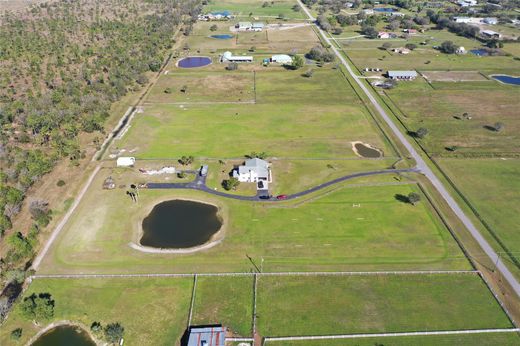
(423, 167)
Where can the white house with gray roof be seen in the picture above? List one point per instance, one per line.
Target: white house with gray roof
(253, 171)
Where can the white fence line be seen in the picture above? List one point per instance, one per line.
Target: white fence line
(424, 333)
(181, 275)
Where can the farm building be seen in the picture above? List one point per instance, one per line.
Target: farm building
(248, 26)
(257, 26)
(109, 184)
(229, 57)
(491, 34)
(281, 59)
(402, 75)
(401, 50)
(207, 336)
(410, 31)
(125, 161)
(252, 171)
(490, 21)
(467, 3)
(461, 50)
(383, 34)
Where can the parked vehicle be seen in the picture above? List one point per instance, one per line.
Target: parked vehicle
(281, 197)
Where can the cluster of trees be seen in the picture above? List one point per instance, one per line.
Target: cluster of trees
(112, 332)
(443, 22)
(38, 307)
(319, 53)
(62, 65)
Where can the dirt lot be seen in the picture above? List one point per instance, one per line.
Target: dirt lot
(454, 76)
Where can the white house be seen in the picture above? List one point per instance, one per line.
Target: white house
(244, 26)
(402, 75)
(257, 26)
(461, 50)
(253, 171)
(383, 34)
(490, 21)
(229, 57)
(283, 59)
(491, 34)
(467, 3)
(125, 161)
(401, 50)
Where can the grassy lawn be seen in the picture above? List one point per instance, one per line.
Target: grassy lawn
(152, 311)
(245, 7)
(225, 300)
(421, 105)
(492, 186)
(295, 117)
(320, 232)
(336, 305)
(485, 339)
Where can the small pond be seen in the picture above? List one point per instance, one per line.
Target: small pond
(222, 36)
(180, 224)
(507, 79)
(64, 336)
(366, 151)
(479, 52)
(194, 61)
(385, 9)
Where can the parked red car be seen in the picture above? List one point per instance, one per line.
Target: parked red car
(281, 197)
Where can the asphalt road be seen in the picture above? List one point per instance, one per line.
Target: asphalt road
(425, 169)
(200, 184)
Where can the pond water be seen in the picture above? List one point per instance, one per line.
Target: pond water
(222, 36)
(194, 61)
(367, 151)
(384, 9)
(65, 336)
(479, 52)
(507, 79)
(180, 224)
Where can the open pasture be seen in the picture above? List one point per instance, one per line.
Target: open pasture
(324, 305)
(255, 8)
(454, 76)
(354, 228)
(436, 107)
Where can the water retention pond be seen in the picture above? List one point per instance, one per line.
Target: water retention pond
(180, 224)
(64, 336)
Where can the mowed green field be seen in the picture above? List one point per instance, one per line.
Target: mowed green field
(420, 105)
(225, 300)
(354, 228)
(482, 339)
(245, 7)
(373, 304)
(493, 188)
(152, 311)
(294, 117)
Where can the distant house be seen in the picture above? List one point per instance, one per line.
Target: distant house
(383, 34)
(207, 336)
(253, 171)
(244, 26)
(461, 50)
(229, 57)
(396, 14)
(203, 170)
(125, 161)
(283, 59)
(490, 34)
(368, 11)
(490, 21)
(401, 50)
(410, 31)
(257, 26)
(467, 3)
(402, 75)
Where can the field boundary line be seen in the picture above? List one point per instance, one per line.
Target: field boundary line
(194, 289)
(64, 220)
(420, 333)
(255, 289)
(186, 275)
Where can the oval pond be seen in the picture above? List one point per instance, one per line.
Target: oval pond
(64, 336)
(366, 151)
(222, 37)
(180, 224)
(194, 61)
(507, 79)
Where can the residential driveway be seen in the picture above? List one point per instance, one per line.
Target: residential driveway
(200, 184)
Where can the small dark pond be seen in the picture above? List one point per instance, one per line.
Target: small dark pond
(479, 52)
(65, 336)
(507, 79)
(180, 224)
(384, 9)
(194, 61)
(366, 151)
(222, 36)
